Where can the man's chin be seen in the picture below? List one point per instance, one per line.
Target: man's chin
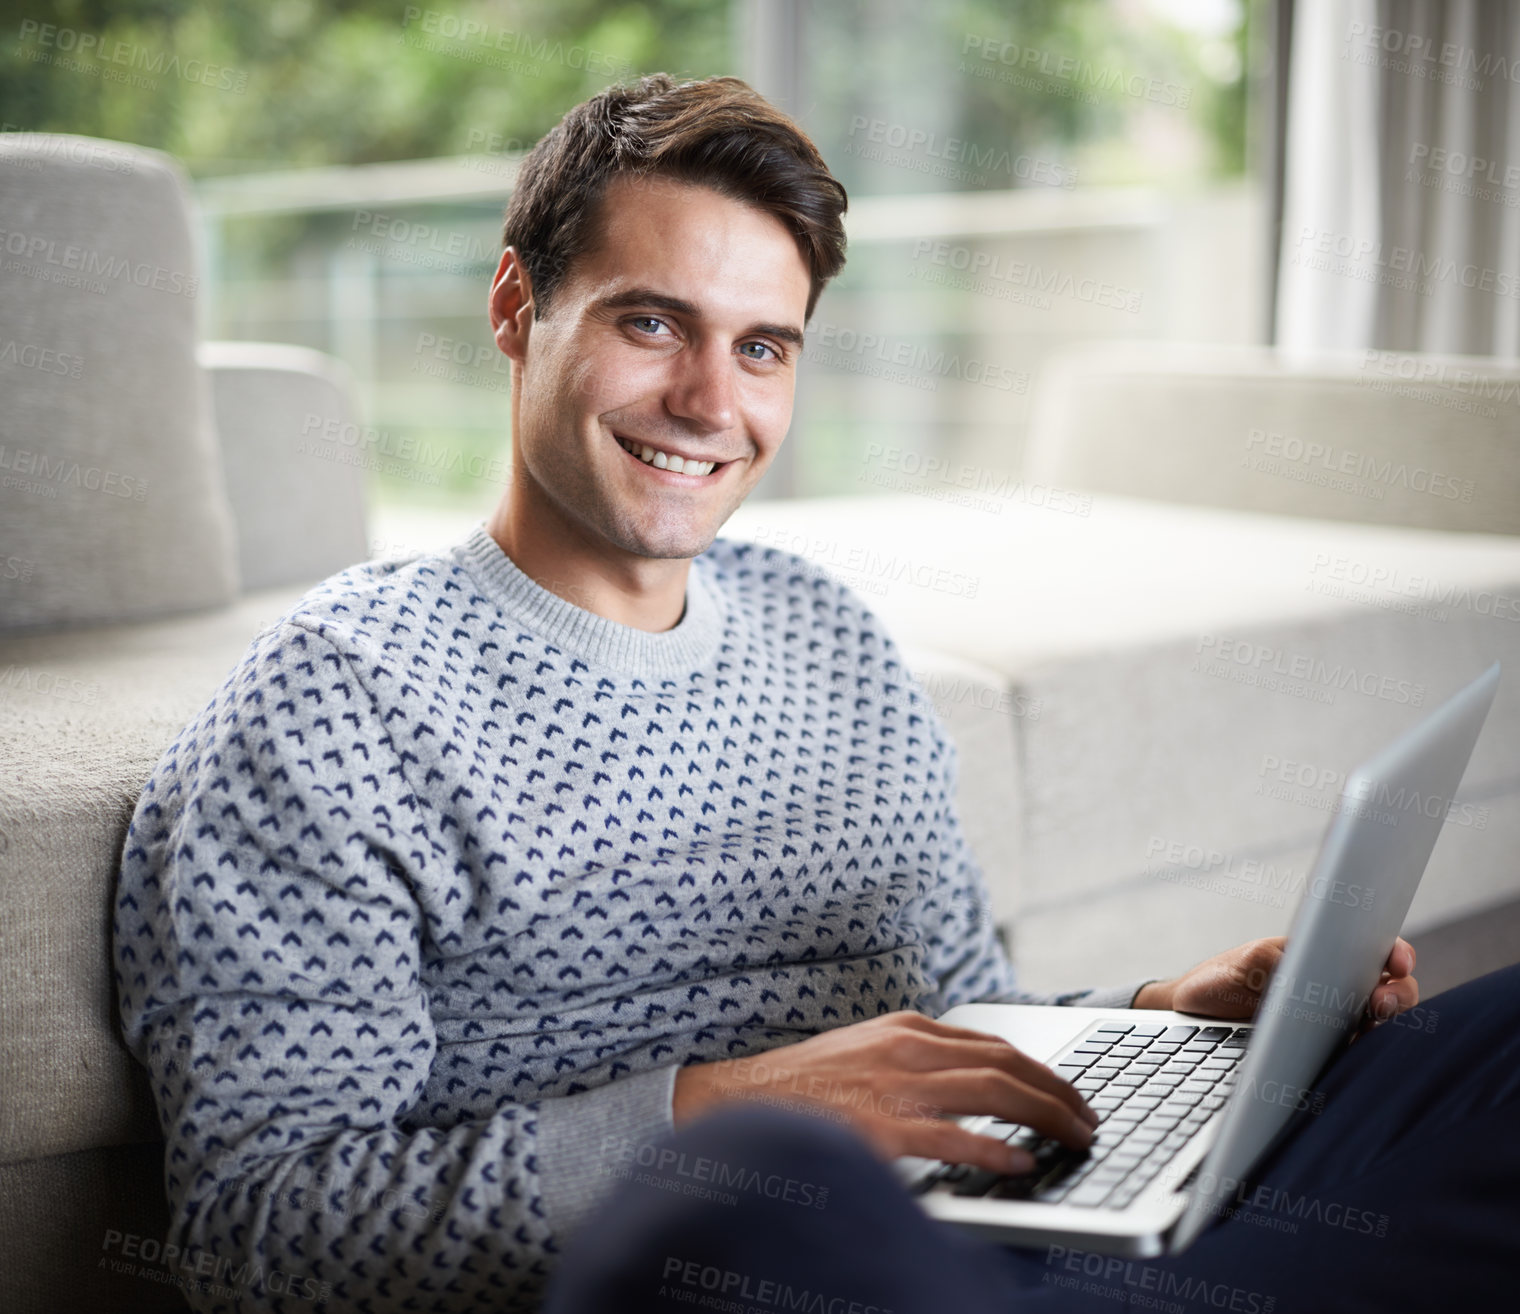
(666, 548)
(657, 541)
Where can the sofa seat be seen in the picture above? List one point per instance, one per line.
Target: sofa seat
(85, 715)
(1185, 689)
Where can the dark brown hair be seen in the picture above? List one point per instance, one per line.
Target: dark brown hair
(717, 133)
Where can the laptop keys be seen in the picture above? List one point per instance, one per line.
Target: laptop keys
(1152, 1086)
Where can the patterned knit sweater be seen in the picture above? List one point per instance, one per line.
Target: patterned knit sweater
(450, 877)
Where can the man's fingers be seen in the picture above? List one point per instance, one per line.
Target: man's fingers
(1400, 959)
(991, 1090)
(950, 1142)
(938, 1028)
(1032, 1073)
(1267, 953)
(976, 1049)
(1394, 997)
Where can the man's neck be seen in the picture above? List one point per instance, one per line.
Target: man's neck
(640, 592)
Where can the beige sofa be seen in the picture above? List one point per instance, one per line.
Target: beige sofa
(1071, 640)
(148, 497)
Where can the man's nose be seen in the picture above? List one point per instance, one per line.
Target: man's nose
(703, 390)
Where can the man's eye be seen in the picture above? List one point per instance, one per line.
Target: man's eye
(764, 346)
(647, 319)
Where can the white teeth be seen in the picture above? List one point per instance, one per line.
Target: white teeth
(680, 465)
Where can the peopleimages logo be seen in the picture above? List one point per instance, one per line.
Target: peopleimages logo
(1085, 78)
(1420, 371)
(1420, 55)
(899, 144)
(862, 567)
(1370, 261)
(1244, 878)
(902, 468)
(45, 360)
(986, 272)
(43, 257)
(1261, 658)
(1375, 585)
(1234, 1198)
(95, 55)
(1143, 1286)
(200, 1270)
(842, 347)
(1459, 164)
(478, 41)
(1366, 793)
(43, 472)
(730, 1292)
(1327, 464)
(664, 1160)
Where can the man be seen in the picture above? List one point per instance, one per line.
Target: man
(484, 862)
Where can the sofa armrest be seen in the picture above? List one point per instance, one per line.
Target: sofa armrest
(1413, 441)
(293, 459)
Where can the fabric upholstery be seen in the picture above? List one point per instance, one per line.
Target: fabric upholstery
(1143, 641)
(111, 489)
(1421, 441)
(72, 1225)
(84, 716)
(299, 514)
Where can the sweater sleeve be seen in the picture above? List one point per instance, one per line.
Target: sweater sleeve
(267, 938)
(967, 958)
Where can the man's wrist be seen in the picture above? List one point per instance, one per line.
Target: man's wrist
(1154, 994)
(693, 1091)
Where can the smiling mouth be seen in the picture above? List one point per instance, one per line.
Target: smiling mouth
(667, 460)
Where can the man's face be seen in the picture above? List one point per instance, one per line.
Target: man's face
(680, 332)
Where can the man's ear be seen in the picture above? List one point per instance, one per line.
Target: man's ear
(511, 305)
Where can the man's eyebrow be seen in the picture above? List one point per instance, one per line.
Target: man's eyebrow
(647, 296)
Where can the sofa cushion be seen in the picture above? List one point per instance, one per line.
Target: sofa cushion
(294, 458)
(84, 717)
(1204, 681)
(1421, 441)
(86, 1231)
(110, 482)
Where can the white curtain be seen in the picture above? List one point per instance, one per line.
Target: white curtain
(1401, 205)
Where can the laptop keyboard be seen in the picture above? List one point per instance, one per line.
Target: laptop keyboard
(1152, 1088)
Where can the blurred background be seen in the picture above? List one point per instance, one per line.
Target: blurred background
(1168, 396)
(1165, 413)
(1107, 165)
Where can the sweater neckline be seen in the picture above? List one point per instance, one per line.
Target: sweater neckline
(603, 644)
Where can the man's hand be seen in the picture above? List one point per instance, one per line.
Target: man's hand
(893, 1078)
(1231, 984)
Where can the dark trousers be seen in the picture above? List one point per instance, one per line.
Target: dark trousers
(1401, 1194)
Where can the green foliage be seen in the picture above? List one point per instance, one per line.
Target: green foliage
(304, 83)
(351, 82)
(358, 81)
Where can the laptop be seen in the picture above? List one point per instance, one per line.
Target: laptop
(1189, 1104)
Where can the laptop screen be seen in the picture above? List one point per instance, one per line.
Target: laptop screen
(1374, 853)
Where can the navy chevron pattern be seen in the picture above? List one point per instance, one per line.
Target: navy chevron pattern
(420, 883)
